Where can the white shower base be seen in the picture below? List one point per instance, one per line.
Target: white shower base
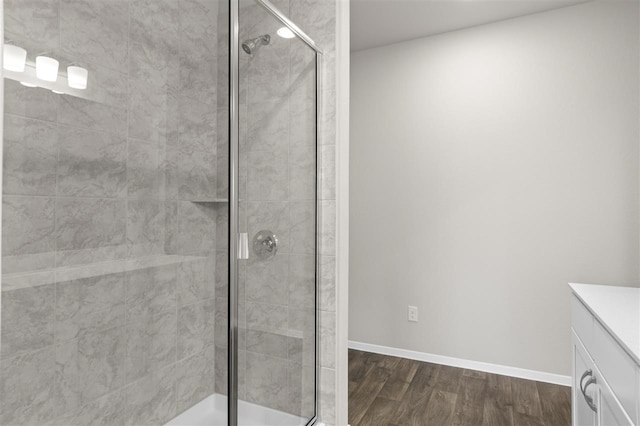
(212, 411)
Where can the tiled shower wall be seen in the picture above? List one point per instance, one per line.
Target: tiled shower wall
(93, 326)
(109, 214)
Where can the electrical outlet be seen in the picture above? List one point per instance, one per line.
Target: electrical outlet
(412, 313)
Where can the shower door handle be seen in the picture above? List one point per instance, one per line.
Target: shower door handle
(243, 246)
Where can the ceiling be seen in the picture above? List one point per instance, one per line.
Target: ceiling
(377, 23)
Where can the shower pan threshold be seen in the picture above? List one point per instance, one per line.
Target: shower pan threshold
(212, 411)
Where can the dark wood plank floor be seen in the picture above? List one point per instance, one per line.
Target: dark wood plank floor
(385, 390)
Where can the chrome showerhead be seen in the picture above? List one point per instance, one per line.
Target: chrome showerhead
(252, 45)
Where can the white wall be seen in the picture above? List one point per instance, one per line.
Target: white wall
(489, 167)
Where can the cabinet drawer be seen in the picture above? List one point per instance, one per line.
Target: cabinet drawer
(582, 322)
(617, 368)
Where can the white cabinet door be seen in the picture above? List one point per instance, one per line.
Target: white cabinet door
(611, 412)
(583, 370)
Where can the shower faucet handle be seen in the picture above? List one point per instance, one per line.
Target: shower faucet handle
(265, 244)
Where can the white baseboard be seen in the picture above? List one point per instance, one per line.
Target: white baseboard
(464, 363)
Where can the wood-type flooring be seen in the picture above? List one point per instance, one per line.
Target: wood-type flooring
(385, 390)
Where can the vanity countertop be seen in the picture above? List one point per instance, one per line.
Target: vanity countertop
(618, 309)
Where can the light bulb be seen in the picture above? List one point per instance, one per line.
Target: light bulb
(285, 32)
(57, 93)
(47, 68)
(14, 58)
(27, 84)
(77, 77)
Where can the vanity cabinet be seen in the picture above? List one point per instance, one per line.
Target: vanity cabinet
(606, 348)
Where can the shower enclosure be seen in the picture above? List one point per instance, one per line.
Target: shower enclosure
(159, 222)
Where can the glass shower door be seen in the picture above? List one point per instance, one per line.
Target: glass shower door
(277, 218)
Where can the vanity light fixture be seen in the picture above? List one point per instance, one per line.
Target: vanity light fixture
(47, 68)
(77, 77)
(14, 58)
(285, 32)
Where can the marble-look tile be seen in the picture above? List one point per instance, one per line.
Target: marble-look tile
(101, 362)
(145, 225)
(196, 173)
(327, 284)
(272, 344)
(266, 381)
(221, 326)
(27, 388)
(106, 86)
(327, 398)
(152, 399)
(267, 280)
(221, 370)
(108, 410)
(196, 280)
(149, 107)
(28, 225)
(154, 38)
(150, 292)
(196, 228)
(269, 215)
(318, 18)
(302, 219)
(303, 350)
(33, 21)
(144, 175)
(30, 155)
(198, 78)
(171, 228)
(268, 74)
(27, 319)
(30, 102)
(151, 345)
(91, 164)
(98, 117)
(95, 30)
(222, 274)
(267, 317)
(327, 339)
(89, 223)
(302, 119)
(195, 328)
(222, 227)
(302, 172)
(197, 125)
(89, 305)
(222, 149)
(268, 126)
(67, 392)
(154, 60)
(267, 175)
(301, 381)
(195, 379)
(327, 228)
(302, 281)
(328, 172)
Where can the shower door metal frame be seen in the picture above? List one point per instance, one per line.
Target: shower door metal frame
(234, 230)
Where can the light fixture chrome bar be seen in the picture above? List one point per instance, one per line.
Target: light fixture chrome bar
(234, 155)
(269, 7)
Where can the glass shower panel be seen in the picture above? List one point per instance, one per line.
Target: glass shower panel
(114, 231)
(277, 211)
